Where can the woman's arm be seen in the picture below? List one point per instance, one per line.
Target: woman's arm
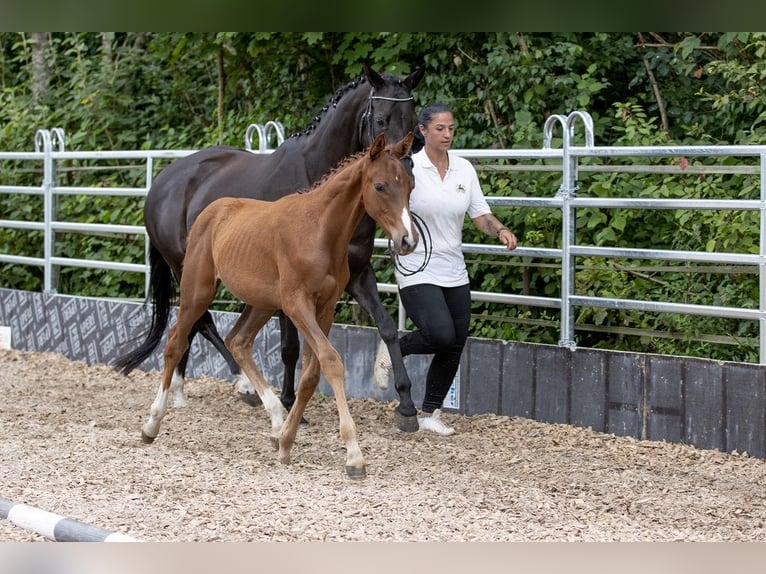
(490, 225)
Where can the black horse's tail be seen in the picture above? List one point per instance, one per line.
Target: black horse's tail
(162, 289)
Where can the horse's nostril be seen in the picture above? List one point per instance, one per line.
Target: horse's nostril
(408, 244)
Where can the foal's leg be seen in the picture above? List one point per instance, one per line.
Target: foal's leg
(315, 334)
(306, 388)
(178, 344)
(240, 343)
(242, 383)
(363, 287)
(196, 293)
(206, 327)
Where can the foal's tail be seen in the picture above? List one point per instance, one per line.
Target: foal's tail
(162, 289)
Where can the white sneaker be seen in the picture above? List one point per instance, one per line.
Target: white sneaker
(383, 367)
(434, 423)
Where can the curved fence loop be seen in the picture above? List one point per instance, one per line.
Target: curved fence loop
(567, 128)
(58, 139)
(42, 140)
(278, 129)
(587, 121)
(251, 129)
(548, 130)
(264, 132)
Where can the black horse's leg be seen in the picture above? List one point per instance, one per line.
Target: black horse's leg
(363, 287)
(206, 327)
(291, 348)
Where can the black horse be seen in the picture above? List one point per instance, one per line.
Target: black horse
(361, 110)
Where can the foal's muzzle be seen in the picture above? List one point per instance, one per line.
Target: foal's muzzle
(404, 244)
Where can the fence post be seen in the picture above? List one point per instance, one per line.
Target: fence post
(43, 144)
(567, 191)
(147, 263)
(47, 140)
(762, 266)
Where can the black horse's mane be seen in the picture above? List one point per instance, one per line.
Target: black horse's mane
(333, 103)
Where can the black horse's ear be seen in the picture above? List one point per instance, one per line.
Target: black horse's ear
(373, 77)
(414, 78)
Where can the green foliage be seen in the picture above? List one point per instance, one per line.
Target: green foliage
(190, 90)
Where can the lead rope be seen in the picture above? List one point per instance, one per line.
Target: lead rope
(425, 237)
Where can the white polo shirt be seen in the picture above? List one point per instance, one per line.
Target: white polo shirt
(443, 205)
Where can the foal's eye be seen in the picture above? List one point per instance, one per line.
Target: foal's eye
(379, 187)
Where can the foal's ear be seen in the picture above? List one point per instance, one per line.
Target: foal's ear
(378, 145)
(402, 149)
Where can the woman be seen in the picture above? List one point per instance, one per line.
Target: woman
(438, 297)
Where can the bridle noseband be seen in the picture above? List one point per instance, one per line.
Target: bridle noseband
(367, 115)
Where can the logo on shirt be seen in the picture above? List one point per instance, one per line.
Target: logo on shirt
(460, 188)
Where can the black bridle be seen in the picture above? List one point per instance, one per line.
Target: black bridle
(367, 115)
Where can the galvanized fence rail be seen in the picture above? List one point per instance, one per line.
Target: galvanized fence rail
(566, 199)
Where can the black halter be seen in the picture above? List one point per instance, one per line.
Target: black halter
(367, 115)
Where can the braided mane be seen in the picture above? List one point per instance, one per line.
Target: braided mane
(333, 103)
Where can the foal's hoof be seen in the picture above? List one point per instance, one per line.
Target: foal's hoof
(304, 422)
(406, 424)
(251, 399)
(274, 442)
(356, 472)
(146, 439)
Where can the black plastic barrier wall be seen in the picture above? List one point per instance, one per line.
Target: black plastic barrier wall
(703, 403)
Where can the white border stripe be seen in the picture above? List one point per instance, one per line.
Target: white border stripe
(34, 519)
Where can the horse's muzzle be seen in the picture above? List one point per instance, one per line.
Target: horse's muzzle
(405, 244)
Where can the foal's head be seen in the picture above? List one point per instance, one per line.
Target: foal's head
(387, 187)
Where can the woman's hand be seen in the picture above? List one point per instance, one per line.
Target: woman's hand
(508, 238)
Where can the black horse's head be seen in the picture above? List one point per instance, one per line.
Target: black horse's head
(373, 104)
(389, 107)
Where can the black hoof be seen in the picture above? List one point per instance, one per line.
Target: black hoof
(406, 424)
(146, 439)
(251, 399)
(274, 442)
(356, 473)
(304, 422)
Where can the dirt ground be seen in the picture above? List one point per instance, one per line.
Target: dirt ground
(71, 445)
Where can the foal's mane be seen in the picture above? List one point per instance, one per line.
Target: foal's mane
(343, 164)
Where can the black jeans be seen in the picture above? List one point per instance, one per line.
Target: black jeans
(442, 316)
